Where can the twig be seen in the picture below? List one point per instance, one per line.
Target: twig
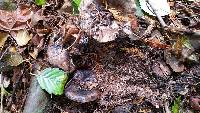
(162, 22)
(76, 41)
(1, 80)
(4, 52)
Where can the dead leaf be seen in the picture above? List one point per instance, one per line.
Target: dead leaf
(22, 37)
(11, 20)
(34, 54)
(7, 19)
(23, 13)
(67, 7)
(107, 33)
(174, 62)
(36, 17)
(3, 38)
(70, 30)
(83, 87)
(155, 43)
(13, 59)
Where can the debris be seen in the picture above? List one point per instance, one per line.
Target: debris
(161, 69)
(195, 103)
(174, 62)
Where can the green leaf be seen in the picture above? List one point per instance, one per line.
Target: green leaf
(176, 105)
(52, 80)
(75, 6)
(139, 12)
(40, 2)
(186, 42)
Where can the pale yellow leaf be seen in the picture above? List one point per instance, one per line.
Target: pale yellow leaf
(22, 37)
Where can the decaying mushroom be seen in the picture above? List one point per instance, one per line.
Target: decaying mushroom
(83, 87)
(59, 57)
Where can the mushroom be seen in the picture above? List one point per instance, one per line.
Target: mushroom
(83, 87)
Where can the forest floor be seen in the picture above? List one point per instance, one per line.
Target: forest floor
(117, 61)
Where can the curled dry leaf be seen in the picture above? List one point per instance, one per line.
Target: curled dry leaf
(22, 37)
(3, 38)
(83, 87)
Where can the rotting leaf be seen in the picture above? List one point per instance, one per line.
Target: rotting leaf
(22, 37)
(13, 59)
(15, 20)
(52, 80)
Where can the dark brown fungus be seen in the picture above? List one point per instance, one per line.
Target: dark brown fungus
(59, 57)
(83, 87)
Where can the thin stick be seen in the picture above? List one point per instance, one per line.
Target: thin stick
(2, 92)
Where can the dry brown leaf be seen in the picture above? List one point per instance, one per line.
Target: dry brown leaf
(20, 16)
(155, 43)
(3, 38)
(23, 13)
(7, 19)
(36, 17)
(174, 62)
